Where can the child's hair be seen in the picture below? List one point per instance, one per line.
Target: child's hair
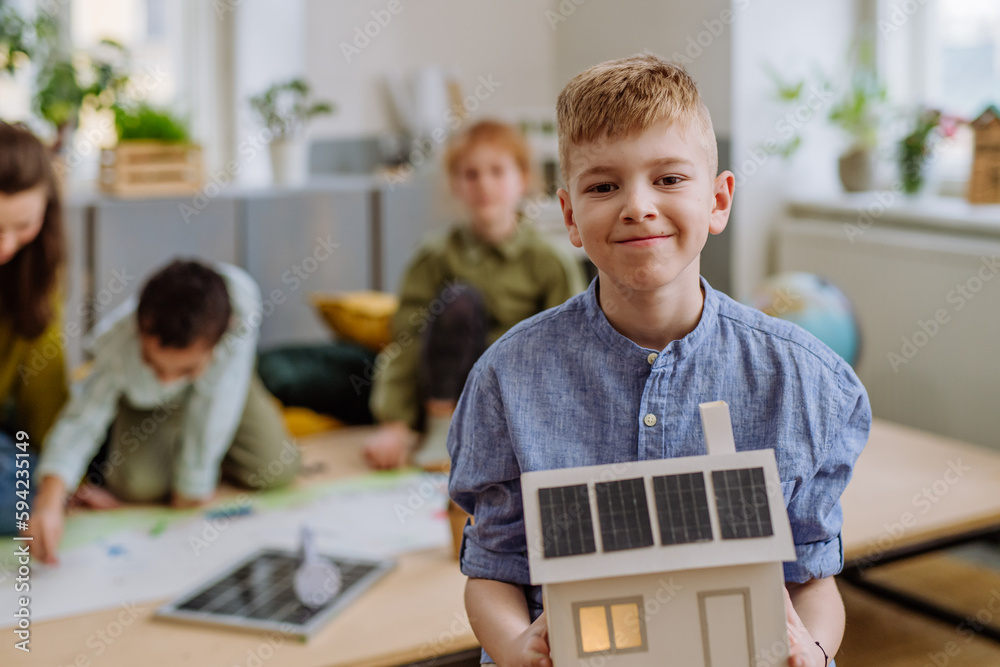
(28, 280)
(620, 97)
(183, 303)
(489, 132)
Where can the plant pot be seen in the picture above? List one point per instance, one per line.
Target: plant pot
(857, 170)
(289, 161)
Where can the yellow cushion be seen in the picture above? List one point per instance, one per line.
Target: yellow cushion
(362, 317)
(301, 422)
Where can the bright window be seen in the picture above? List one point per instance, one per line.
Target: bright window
(610, 626)
(966, 39)
(943, 54)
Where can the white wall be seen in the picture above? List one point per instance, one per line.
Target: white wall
(792, 36)
(700, 33)
(269, 48)
(509, 40)
(532, 47)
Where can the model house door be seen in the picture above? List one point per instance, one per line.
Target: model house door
(726, 628)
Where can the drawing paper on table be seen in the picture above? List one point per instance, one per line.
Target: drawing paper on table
(111, 558)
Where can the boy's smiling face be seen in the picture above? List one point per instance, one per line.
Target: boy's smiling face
(642, 206)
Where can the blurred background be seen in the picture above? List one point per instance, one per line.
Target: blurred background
(302, 140)
(850, 127)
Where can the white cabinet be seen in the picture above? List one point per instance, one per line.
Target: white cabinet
(337, 233)
(300, 242)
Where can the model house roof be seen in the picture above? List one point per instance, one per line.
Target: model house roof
(664, 515)
(989, 115)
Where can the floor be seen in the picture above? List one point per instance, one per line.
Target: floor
(882, 634)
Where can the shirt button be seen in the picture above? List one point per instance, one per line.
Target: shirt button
(649, 420)
(652, 357)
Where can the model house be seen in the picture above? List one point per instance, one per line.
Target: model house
(984, 182)
(673, 560)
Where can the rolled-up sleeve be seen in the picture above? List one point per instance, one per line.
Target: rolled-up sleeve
(814, 509)
(485, 482)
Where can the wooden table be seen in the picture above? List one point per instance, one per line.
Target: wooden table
(416, 613)
(914, 492)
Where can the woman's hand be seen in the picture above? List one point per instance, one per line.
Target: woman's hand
(45, 526)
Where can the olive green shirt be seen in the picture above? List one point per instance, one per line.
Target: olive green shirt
(518, 278)
(32, 378)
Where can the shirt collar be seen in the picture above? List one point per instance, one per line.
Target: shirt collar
(679, 348)
(510, 249)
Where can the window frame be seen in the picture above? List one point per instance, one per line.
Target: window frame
(607, 604)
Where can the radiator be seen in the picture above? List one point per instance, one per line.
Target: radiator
(928, 307)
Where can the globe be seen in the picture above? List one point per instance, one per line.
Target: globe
(816, 305)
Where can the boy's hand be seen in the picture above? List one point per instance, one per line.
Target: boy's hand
(531, 647)
(95, 497)
(47, 520)
(802, 648)
(389, 446)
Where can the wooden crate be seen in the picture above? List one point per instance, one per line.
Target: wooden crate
(150, 168)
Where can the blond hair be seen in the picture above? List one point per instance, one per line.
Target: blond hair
(489, 132)
(617, 98)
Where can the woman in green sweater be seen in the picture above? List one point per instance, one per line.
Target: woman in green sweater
(32, 370)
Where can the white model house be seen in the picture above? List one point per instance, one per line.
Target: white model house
(665, 562)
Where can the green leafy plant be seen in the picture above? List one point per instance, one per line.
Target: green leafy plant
(146, 122)
(22, 39)
(859, 96)
(787, 93)
(65, 86)
(856, 112)
(914, 149)
(285, 108)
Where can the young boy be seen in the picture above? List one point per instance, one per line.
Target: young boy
(462, 290)
(617, 373)
(175, 375)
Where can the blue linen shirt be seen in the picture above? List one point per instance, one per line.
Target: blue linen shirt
(564, 389)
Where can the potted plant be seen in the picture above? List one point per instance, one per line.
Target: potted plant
(21, 38)
(154, 155)
(916, 149)
(856, 114)
(285, 109)
(860, 97)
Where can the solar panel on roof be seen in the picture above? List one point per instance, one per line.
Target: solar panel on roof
(567, 529)
(682, 508)
(741, 498)
(623, 514)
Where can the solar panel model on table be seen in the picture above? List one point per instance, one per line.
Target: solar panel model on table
(259, 594)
